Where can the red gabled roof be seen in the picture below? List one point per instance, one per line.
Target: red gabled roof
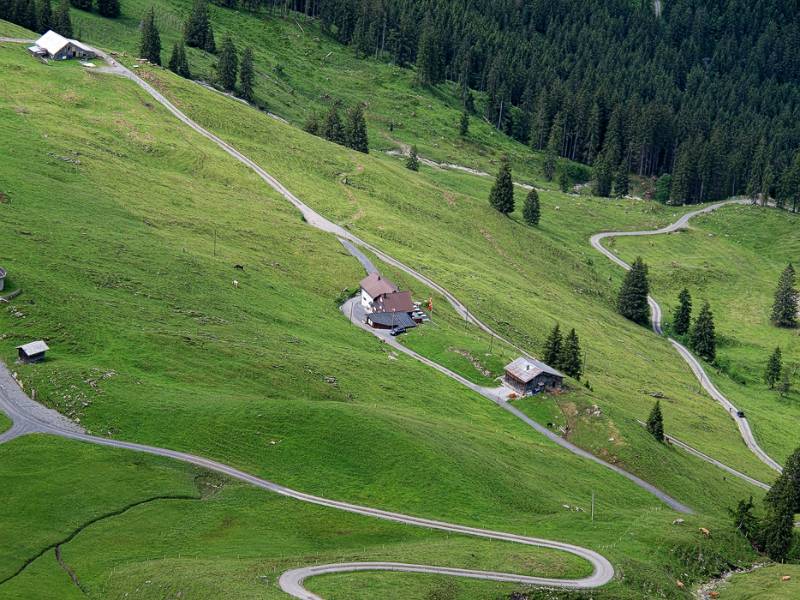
(375, 285)
(395, 302)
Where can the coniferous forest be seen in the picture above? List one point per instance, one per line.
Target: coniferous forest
(704, 96)
(708, 91)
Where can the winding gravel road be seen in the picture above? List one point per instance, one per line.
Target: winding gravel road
(656, 315)
(30, 417)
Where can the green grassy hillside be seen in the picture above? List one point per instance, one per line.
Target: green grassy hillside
(299, 71)
(733, 259)
(123, 228)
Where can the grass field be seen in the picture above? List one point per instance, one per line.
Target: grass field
(763, 584)
(123, 228)
(300, 70)
(733, 258)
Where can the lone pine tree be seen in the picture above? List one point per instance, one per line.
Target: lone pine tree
(150, 44)
(778, 527)
(246, 75)
(356, 129)
(655, 422)
(412, 162)
(772, 373)
(502, 195)
(703, 338)
(553, 345)
(632, 300)
(463, 125)
(784, 309)
(332, 128)
(228, 65)
(682, 320)
(570, 360)
(531, 210)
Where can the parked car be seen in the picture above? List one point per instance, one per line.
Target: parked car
(740, 414)
(397, 331)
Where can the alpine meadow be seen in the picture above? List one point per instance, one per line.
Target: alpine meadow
(426, 300)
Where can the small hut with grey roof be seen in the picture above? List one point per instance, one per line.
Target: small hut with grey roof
(32, 352)
(529, 376)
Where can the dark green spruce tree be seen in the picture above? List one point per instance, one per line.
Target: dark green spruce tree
(177, 61)
(682, 320)
(108, 8)
(531, 211)
(150, 44)
(632, 300)
(463, 124)
(246, 75)
(563, 181)
(772, 374)
(703, 339)
(228, 65)
(777, 530)
(332, 128)
(174, 58)
(429, 56)
(183, 63)
(570, 361)
(744, 521)
(553, 345)
(502, 195)
(82, 4)
(621, 183)
(28, 16)
(787, 484)
(412, 162)
(356, 129)
(784, 309)
(61, 22)
(655, 422)
(197, 31)
(602, 178)
(312, 124)
(45, 16)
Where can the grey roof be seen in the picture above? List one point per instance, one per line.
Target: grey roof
(32, 348)
(2, 272)
(525, 369)
(388, 319)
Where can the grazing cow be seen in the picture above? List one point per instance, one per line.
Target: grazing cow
(236, 283)
(239, 267)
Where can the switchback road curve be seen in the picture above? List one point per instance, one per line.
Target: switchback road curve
(655, 310)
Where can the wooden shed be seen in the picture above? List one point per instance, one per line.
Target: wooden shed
(529, 376)
(32, 352)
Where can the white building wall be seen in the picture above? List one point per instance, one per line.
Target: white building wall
(366, 301)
